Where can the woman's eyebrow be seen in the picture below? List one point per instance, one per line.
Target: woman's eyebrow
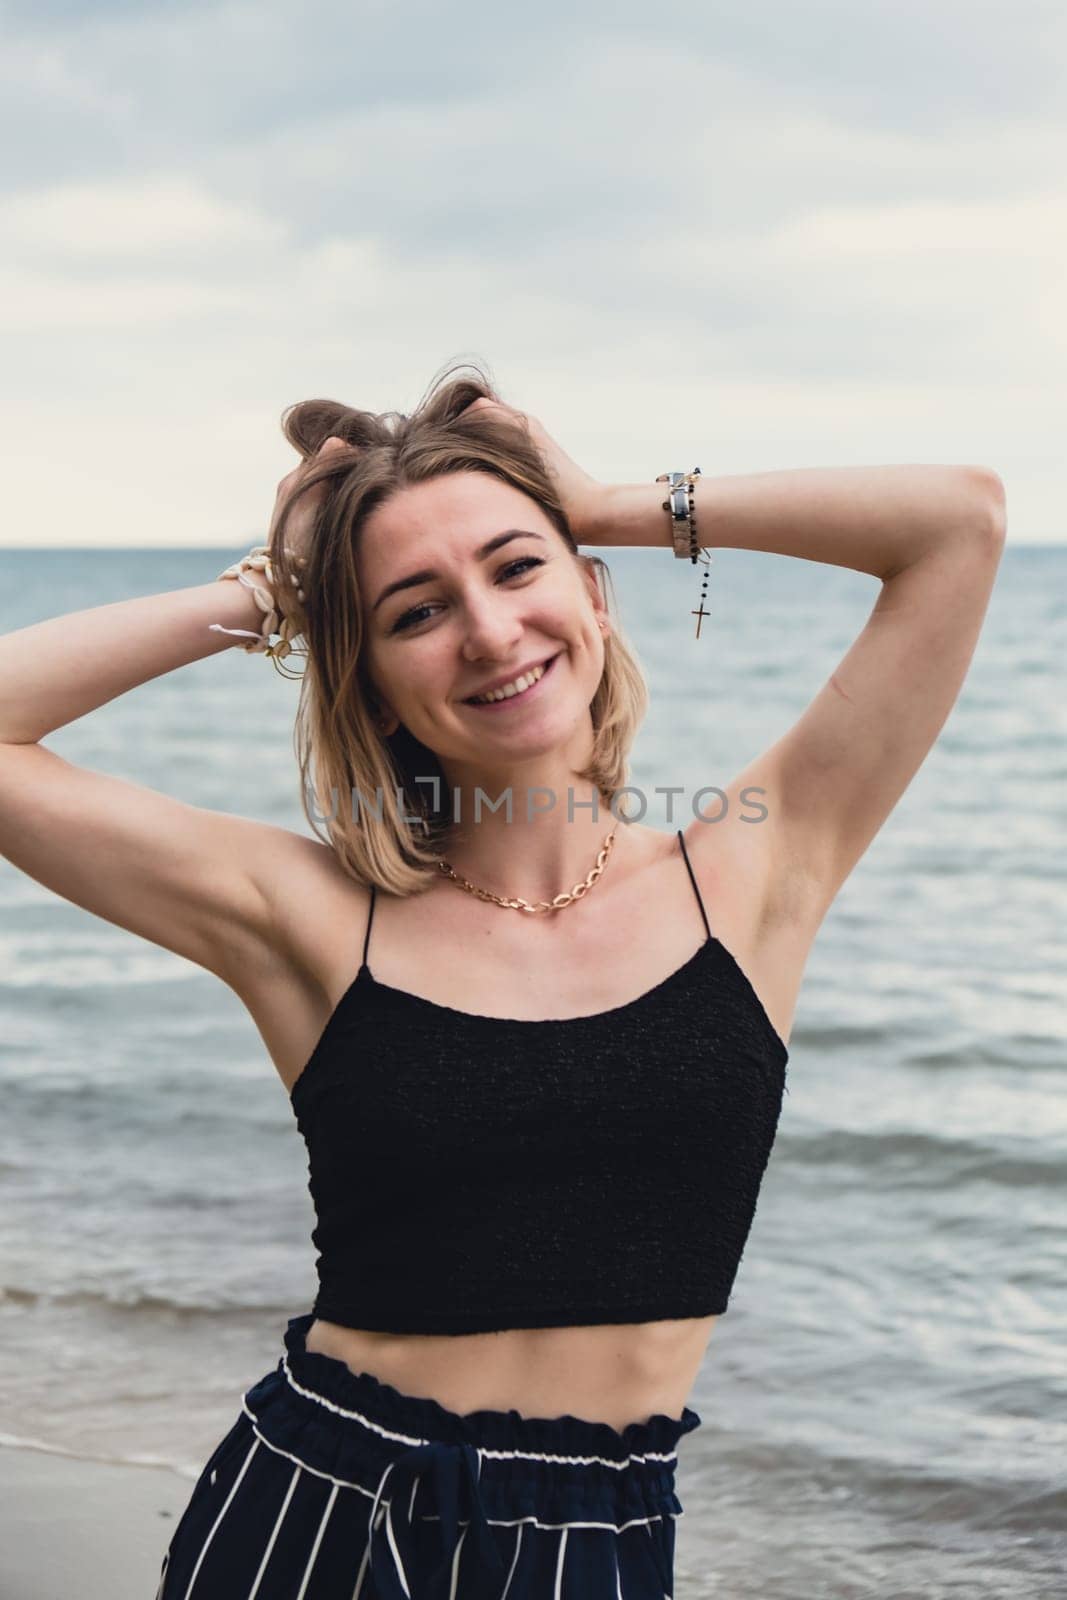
(427, 575)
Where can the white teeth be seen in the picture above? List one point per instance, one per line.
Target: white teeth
(510, 689)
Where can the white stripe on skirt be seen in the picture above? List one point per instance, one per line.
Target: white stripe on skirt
(514, 1563)
(302, 1591)
(274, 1533)
(559, 1564)
(215, 1526)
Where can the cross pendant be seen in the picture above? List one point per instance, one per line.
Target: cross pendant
(699, 614)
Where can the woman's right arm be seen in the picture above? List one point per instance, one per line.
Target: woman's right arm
(198, 882)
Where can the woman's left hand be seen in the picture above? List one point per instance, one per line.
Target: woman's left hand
(580, 493)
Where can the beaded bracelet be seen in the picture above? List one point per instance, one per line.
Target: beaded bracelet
(258, 560)
(681, 504)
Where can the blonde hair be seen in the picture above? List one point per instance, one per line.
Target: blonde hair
(339, 749)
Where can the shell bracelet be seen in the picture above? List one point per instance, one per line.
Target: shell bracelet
(258, 560)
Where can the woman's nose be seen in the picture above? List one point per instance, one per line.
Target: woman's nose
(491, 630)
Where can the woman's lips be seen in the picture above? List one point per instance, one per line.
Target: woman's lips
(514, 699)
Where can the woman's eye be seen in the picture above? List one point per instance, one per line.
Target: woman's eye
(417, 614)
(517, 566)
(408, 619)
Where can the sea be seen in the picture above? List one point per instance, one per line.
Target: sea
(884, 1404)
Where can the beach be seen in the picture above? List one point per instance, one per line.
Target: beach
(882, 1403)
(85, 1530)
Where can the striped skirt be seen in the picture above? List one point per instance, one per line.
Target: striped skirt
(332, 1485)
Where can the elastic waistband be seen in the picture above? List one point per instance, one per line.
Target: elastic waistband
(365, 1433)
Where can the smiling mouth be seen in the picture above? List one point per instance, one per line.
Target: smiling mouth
(496, 704)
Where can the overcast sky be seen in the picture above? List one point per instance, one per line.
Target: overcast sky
(746, 236)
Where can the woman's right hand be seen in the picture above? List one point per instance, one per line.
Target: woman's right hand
(302, 519)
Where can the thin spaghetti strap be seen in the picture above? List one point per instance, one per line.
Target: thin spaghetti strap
(370, 919)
(696, 891)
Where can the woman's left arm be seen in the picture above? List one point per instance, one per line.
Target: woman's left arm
(872, 519)
(933, 536)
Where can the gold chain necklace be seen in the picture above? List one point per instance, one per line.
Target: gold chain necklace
(518, 904)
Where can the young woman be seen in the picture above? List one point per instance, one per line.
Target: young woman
(536, 1048)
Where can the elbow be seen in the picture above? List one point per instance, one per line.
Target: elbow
(988, 499)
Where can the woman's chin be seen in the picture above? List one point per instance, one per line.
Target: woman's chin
(550, 741)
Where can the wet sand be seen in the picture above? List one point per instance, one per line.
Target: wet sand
(84, 1530)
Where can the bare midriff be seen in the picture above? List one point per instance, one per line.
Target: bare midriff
(617, 1373)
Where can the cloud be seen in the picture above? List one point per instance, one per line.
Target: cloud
(793, 234)
(136, 219)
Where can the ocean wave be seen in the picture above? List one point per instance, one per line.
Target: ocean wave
(933, 1161)
(15, 1441)
(138, 1302)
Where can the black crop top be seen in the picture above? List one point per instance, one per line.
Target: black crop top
(475, 1173)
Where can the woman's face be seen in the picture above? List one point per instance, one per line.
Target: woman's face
(447, 618)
